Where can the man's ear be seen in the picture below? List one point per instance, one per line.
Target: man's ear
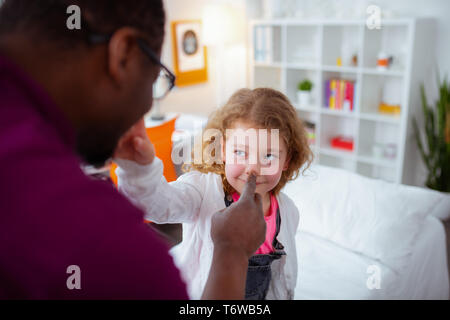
(122, 51)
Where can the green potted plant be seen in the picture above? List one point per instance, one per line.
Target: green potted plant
(304, 93)
(436, 154)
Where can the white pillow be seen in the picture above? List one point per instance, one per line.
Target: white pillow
(441, 207)
(378, 219)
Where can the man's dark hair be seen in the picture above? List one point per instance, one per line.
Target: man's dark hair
(46, 19)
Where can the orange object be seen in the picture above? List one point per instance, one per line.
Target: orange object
(383, 62)
(389, 109)
(161, 137)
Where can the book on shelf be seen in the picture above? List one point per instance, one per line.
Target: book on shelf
(348, 97)
(263, 44)
(340, 94)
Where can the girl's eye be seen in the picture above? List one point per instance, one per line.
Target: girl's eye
(239, 153)
(270, 156)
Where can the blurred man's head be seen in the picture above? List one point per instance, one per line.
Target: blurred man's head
(102, 87)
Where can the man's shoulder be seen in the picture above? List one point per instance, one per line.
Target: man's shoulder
(42, 176)
(61, 217)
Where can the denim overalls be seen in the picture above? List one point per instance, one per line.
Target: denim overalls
(259, 265)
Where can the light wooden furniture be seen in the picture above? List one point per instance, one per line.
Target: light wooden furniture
(294, 50)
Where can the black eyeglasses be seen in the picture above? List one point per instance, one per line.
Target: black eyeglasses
(166, 79)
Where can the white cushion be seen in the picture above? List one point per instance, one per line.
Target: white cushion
(441, 207)
(378, 219)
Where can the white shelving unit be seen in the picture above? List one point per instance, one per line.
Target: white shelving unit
(301, 50)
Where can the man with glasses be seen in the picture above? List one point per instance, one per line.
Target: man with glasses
(66, 97)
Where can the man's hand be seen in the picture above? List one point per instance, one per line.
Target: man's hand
(241, 225)
(237, 232)
(135, 145)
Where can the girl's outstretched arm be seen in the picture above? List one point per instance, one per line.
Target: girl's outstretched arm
(140, 178)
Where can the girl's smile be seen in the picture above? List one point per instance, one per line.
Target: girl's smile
(245, 180)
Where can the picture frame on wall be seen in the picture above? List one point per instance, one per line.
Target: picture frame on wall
(189, 53)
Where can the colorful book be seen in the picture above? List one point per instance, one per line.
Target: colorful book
(327, 93)
(332, 94)
(347, 97)
(338, 94)
(352, 95)
(342, 84)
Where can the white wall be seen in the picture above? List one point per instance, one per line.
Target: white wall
(439, 10)
(229, 62)
(203, 98)
(232, 66)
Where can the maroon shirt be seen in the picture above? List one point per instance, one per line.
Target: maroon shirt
(52, 216)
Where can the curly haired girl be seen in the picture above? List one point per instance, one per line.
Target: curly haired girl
(257, 132)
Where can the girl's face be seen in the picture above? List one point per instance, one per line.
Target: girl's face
(263, 154)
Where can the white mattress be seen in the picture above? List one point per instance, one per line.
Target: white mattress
(327, 271)
(427, 277)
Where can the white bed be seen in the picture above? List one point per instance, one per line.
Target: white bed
(349, 223)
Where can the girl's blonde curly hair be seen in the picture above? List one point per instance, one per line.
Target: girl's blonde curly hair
(267, 109)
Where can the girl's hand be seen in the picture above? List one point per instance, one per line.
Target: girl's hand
(136, 146)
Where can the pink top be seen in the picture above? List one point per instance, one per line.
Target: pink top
(271, 225)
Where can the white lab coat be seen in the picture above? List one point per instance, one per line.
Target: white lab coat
(192, 200)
